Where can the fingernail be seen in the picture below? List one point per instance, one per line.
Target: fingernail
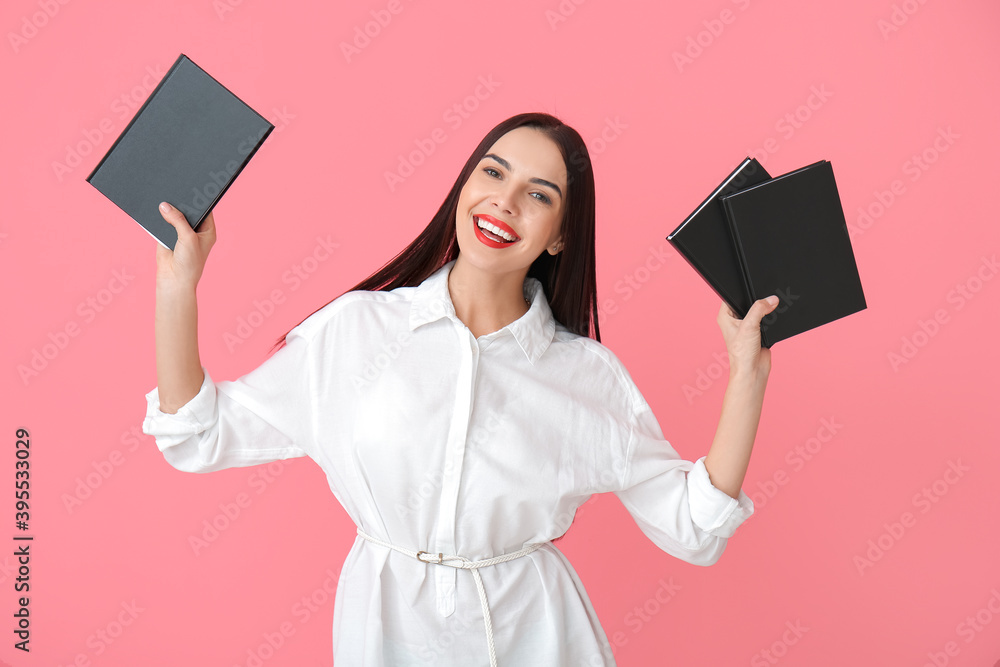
(772, 300)
(164, 206)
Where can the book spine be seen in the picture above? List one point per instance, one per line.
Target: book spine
(734, 234)
(750, 293)
(232, 179)
(235, 96)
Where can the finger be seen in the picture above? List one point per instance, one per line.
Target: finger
(177, 219)
(760, 309)
(726, 316)
(207, 230)
(162, 253)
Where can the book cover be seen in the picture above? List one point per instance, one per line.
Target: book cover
(791, 238)
(705, 240)
(185, 145)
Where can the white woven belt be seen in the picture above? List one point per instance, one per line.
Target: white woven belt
(463, 563)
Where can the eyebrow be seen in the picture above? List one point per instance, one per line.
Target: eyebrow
(540, 181)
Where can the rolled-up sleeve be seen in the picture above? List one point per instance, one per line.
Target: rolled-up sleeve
(266, 415)
(673, 500)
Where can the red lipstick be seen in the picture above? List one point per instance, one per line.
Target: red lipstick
(491, 240)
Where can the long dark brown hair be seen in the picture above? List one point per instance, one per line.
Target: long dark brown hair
(569, 277)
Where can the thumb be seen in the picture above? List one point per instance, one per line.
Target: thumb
(760, 309)
(176, 218)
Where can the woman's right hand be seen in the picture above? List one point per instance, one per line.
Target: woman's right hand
(183, 266)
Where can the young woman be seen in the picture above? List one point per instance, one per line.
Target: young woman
(463, 407)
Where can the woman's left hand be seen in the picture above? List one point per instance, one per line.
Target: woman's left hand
(746, 356)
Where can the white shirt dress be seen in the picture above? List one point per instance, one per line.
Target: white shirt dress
(434, 440)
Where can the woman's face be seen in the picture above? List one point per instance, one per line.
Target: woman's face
(520, 187)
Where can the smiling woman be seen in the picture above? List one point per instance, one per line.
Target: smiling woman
(508, 207)
(538, 169)
(494, 414)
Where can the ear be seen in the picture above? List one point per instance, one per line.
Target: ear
(556, 246)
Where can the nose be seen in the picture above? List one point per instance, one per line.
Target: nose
(502, 198)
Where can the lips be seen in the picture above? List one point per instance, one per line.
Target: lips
(488, 238)
(499, 223)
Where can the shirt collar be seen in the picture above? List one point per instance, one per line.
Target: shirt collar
(533, 331)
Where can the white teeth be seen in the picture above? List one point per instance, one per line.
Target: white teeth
(493, 228)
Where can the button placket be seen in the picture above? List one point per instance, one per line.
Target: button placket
(445, 578)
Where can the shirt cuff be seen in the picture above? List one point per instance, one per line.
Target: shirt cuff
(712, 510)
(192, 418)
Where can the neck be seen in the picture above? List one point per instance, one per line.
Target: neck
(485, 301)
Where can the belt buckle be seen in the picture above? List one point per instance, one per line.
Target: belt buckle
(440, 557)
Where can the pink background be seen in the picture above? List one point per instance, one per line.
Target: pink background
(888, 84)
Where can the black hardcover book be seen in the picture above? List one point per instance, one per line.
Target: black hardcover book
(791, 238)
(185, 145)
(705, 240)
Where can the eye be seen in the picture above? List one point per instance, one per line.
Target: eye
(541, 196)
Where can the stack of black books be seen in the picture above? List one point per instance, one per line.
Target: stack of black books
(755, 236)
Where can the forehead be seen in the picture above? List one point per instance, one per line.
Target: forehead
(532, 154)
